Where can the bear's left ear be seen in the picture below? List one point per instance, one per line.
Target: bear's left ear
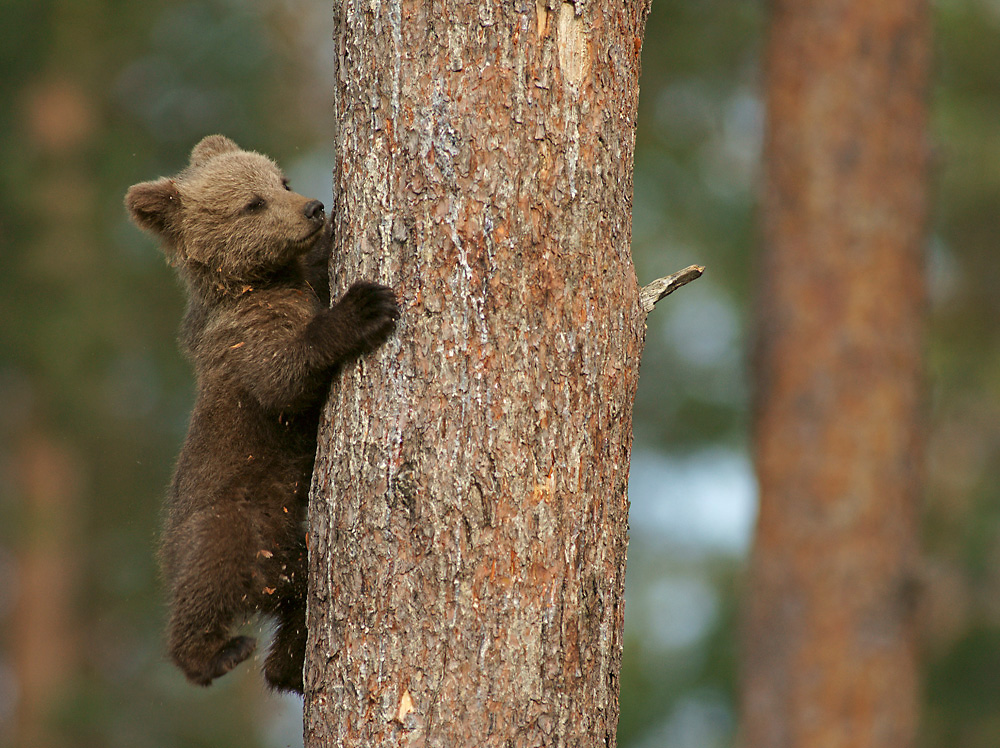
(210, 146)
(153, 206)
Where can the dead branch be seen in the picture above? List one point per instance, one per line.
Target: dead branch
(653, 292)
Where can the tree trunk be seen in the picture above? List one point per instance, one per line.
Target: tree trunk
(830, 639)
(469, 516)
(45, 643)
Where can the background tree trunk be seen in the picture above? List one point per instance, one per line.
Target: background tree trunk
(830, 637)
(469, 516)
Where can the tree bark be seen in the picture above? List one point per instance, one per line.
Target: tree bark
(469, 512)
(830, 650)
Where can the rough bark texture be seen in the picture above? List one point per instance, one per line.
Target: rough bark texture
(830, 642)
(469, 514)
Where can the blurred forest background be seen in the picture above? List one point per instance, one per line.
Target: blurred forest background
(98, 94)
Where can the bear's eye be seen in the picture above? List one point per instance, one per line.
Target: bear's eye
(284, 183)
(258, 203)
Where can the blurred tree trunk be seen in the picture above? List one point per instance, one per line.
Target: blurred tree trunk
(830, 645)
(44, 638)
(58, 119)
(469, 516)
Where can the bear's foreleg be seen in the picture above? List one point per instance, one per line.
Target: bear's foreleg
(285, 360)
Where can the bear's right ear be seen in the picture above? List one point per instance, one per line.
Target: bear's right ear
(210, 146)
(153, 205)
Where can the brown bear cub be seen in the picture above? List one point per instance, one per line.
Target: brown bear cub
(264, 343)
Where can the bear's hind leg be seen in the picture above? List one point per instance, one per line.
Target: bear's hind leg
(283, 667)
(212, 587)
(199, 638)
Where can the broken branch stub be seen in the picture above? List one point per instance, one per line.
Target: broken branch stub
(651, 293)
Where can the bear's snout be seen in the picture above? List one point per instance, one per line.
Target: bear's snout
(313, 210)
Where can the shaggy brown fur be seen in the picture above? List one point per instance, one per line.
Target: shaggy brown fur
(264, 344)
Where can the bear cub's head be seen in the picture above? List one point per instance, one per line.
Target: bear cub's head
(230, 214)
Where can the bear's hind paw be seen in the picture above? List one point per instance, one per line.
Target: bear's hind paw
(232, 654)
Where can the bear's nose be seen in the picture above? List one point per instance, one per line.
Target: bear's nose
(313, 210)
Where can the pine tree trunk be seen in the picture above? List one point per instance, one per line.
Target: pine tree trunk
(830, 640)
(469, 516)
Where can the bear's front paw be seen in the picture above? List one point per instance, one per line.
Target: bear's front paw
(373, 311)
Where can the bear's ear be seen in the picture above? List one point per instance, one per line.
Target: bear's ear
(153, 205)
(213, 145)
